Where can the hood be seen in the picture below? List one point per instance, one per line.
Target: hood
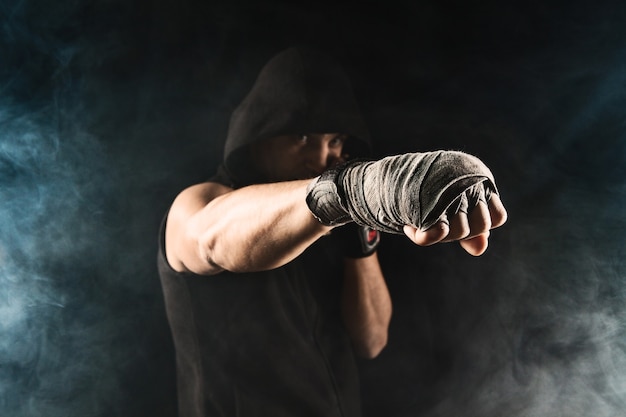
(298, 91)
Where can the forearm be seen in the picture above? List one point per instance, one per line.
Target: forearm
(366, 305)
(255, 228)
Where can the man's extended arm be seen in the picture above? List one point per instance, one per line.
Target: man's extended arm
(212, 228)
(431, 197)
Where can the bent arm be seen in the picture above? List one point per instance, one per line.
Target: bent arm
(366, 305)
(213, 228)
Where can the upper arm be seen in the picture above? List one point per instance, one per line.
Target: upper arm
(182, 250)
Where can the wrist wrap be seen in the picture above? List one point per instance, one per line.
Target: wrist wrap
(325, 199)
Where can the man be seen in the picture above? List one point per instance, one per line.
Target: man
(269, 269)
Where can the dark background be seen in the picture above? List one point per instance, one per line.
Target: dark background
(109, 108)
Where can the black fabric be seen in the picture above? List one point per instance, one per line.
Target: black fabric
(298, 91)
(270, 343)
(356, 241)
(262, 344)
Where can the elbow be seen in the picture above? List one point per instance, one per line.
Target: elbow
(205, 256)
(216, 259)
(373, 346)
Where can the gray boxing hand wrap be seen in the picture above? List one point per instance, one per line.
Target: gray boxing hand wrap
(417, 189)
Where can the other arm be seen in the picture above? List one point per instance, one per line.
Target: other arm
(366, 305)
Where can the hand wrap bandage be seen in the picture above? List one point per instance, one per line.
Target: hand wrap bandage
(417, 189)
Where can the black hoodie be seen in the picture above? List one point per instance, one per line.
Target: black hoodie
(298, 91)
(270, 343)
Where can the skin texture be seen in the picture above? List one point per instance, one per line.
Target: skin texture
(212, 228)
